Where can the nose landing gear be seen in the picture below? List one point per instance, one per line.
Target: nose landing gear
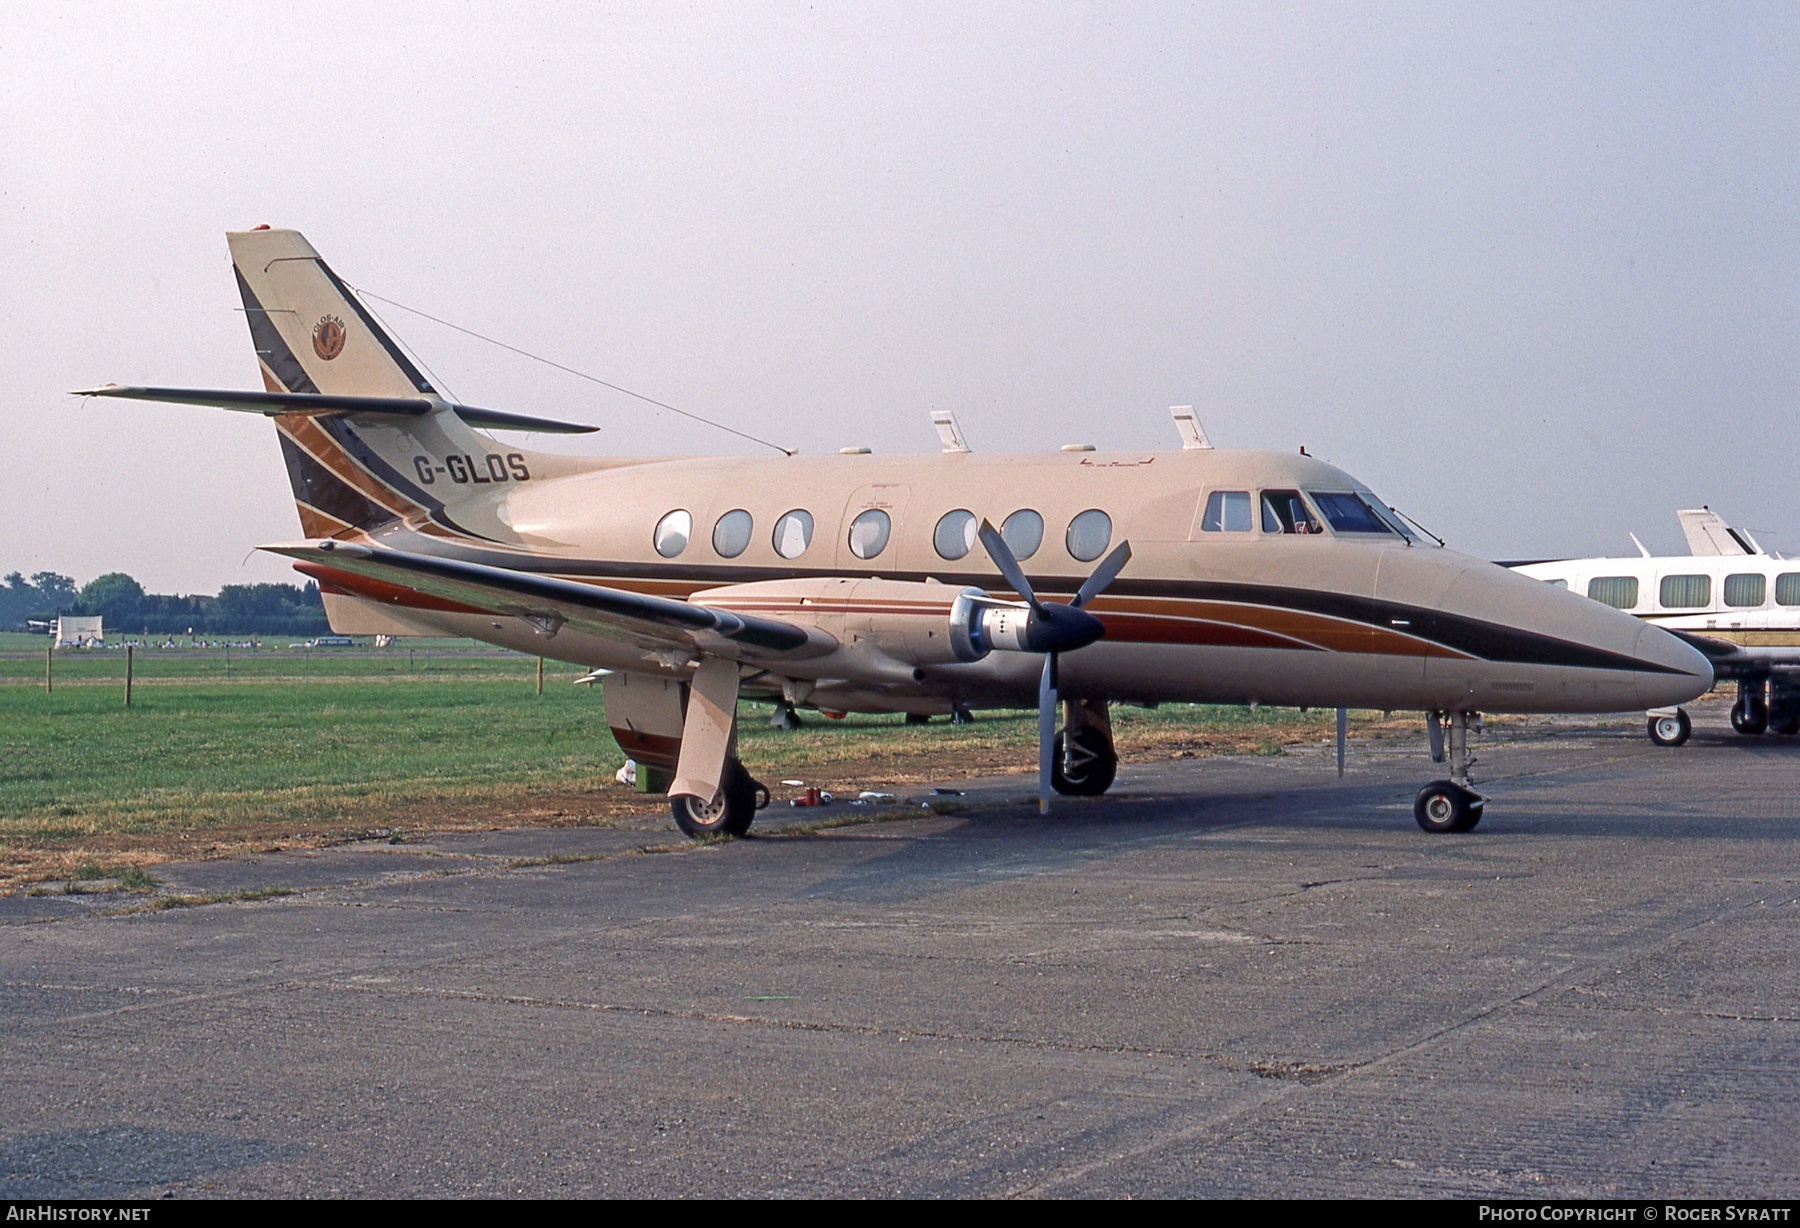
(1450, 805)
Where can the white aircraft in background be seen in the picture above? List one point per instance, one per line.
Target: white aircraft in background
(1731, 599)
(858, 583)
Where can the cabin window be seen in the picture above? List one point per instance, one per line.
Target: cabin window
(1227, 511)
(1557, 583)
(1023, 532)
(1685, 592)
(955, 534)
(793, 534)
(1089, 535)
(1284, 511)
(1787, 588)
(1348, 513)
(869, 533)
(1746, 589)
(672, 533)
(1619, 592)
(731, 536)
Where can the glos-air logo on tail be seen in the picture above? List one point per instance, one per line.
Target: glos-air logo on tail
(328, 337)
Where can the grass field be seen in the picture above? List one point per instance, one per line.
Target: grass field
(297, 749)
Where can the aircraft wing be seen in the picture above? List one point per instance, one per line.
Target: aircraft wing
(1731, 660)
(655, 624)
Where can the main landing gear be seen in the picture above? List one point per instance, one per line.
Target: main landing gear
(1450, 805)
(731, 810)
(1083, 762)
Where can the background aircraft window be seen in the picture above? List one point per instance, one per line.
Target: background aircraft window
(1227, 511)
(1089, 534)
(1284, 511)
(793, 534)
(1685, 592)
(1557, 583)
(672, 533)
(1746, 590)
(1023, 532)
(1620, 592)
(955, 535)
(869, 533)
(1787, 588)
(1348, 513)
(731, 536)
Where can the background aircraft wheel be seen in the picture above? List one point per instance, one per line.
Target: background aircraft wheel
(1749, 718)
(1788, 728)
(1096, 764)
(1671, 730)
(728, 814)
(1443, 806)
(918, 718)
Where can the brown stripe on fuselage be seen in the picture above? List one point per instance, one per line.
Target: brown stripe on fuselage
(341, 465)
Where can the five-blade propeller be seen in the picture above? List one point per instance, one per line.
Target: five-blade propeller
(1054, 629)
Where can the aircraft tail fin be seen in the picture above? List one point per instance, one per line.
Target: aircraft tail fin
(1709, 536)
(367, 440)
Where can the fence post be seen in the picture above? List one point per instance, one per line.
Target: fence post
(128, 650)
(49, 683)
(540, 675)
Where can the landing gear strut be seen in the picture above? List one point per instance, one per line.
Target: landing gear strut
(1750, 714)
(1083, 762)
(1450, 805)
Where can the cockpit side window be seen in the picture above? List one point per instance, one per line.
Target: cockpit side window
(1227, 511)
(1284, 511)
(1348, 513)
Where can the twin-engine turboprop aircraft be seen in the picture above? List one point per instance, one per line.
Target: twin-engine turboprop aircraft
(868, 583)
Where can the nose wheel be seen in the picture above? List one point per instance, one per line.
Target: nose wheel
(1670, 728)
(1450, 805)
(1445, 806)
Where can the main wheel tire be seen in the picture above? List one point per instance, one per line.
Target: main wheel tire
(1095, 767)
(1749, 719)
(1787, 728)
(728, 814)
(1444, 806)
(1671, 730)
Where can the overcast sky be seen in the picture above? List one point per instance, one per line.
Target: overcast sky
(1533, 272)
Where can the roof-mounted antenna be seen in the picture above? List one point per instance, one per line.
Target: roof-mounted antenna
(1193, 435)
(1640, 545)
(948, 432)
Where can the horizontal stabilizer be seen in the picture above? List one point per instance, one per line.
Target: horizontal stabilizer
(272, 403)
(545, 601)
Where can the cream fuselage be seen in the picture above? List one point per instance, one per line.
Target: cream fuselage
(1327, 619)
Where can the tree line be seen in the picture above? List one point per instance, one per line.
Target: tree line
(258, 609)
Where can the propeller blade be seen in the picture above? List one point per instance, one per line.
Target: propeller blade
(1105, 574)
(1009, 567)
(1046, 729)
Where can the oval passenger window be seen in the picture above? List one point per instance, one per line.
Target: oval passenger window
(1023, 532)
(1089, 534)
(793, 534)
(869, 533)
(955, 534)
(672, 533)
(731, 536)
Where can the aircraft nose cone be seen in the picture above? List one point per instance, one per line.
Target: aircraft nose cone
(1674, 672)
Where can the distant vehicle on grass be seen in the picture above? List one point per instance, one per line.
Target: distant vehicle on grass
(327, 641)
